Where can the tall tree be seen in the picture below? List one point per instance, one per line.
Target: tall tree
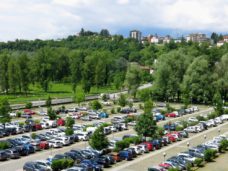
(4, 110)
(13, 76)
(23, 72)
(4, 77)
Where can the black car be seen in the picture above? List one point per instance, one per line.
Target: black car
(75, 156)
(3, 155)
(102, 161)
(32, 166)
(12, 153)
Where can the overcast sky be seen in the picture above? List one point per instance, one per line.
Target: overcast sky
(45, 19)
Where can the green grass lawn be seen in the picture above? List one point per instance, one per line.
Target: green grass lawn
(56, 90)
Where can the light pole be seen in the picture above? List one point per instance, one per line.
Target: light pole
(205, 137)
(164, 155)
(219, 130)
(188, 144)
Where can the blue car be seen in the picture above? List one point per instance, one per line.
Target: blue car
(103, 115)
(93, 164)
(125, 155)
(89, 164)
(159, 117)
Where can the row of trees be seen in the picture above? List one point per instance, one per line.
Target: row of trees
(187, 76)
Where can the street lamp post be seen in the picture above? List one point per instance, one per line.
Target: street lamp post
(205, 137)
(188, 144)
(219, 130)
(164, 155)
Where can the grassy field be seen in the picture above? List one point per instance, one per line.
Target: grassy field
(56, 90)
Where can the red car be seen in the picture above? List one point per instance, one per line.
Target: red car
(172, 115)
(149, 145)
(171, 137)
(60, 122)
(165, 165)
(38, 126)
(29, 112)
(44, 145)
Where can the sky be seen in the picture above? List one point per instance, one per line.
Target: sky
(53, 19)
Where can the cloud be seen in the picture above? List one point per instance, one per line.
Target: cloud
(46, 19)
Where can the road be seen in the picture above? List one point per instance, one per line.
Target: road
(70, 100)
(14, 165)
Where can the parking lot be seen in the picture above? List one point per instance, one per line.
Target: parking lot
(17, 164)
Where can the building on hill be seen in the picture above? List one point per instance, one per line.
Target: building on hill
(135, 34)
(197, 37)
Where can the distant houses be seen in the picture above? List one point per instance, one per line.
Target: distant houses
(193, 37)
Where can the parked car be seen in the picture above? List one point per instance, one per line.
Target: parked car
(125, 155)
(3, 155)
(33, 166)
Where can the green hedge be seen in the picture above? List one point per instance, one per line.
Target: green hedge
(61, 164)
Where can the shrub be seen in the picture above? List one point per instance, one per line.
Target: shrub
(200, 118)
(209, 155)
(105, 97)
(120, 145)
(18, 114)
(37, 121)
(96, 105)
(211, 115)
(28, 105)
(173, 169)
(179, 128)
(4, 145)
(61, 164)
(69, 131)
(21, 124)
(140, 106)
(199, 162)
(118, 109)
(223, 145)
(33, 135)
(113, 111)
(122, 100)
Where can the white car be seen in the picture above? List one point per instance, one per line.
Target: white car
(195, 108)
(113, 129)
(211, 123)
(218, 120)
(55, 143)
(224, 117)
(143, 147)
(44, 164)
(106, 103)
(137, 149)
(187, 157)
(192, 119)
(13, 114)
(82, 136)
(45, 125)
(191, 129)
(64, 140)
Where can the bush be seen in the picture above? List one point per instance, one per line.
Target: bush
(120, 145)
(223, 145)
(21, 124)
(113, 111)
(209, 155)
(37, 121)
(61, 164)
(69, 131)
(51, 113)
(96, 105)
(33, 135)
(4, 145)
(28, 105)
(118, 109)
(199, 162)
(122, 100)
(212, 115)
(179, 128)
(18, 114)
(200, 118)
(140, 106)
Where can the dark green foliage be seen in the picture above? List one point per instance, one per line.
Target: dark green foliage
(98, 140)
(223, 145)
(209, 155)
(69, 131)
(4, 110)
(51, 113)
(4, 145)
(122, 101)
(48, 102)
(96, 105)
(199, 162)
(69, 122)
(28, 105)
(61, 164)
